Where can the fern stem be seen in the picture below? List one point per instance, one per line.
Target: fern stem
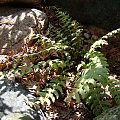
(110, 34)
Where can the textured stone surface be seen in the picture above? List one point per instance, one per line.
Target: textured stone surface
(101, 13)
(17, 116)
(17, 24)
(13, 103)
(111, 114)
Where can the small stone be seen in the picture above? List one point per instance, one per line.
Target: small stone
(3, 58)
(82, 38)
(94, 37)
(86, 35)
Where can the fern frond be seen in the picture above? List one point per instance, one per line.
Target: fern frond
(94, 79)
(52, 92)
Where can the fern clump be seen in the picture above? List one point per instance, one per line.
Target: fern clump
(93, 84)
(67, 38)
(69, 33)
(48, 65)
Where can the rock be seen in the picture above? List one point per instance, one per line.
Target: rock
(111, 114)
(94, 37)
(3, 58)
(31, 2)
(16, 116)
(14, 105)
(87, 35)
(101, 13)
(17, 24)
(97, 31)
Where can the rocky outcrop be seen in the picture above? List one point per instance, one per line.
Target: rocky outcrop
(14, 103)
(17, 24)
(16, 27)
(111, 114)
(101, 13)
(30, 2)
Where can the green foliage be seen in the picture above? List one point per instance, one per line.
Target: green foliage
(62, 53)
(69, 33)
(93, 84)
(68, 38)
(114, 89)
(51, 92)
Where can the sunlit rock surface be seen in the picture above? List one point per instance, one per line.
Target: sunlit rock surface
(18, 24)
(14, 105)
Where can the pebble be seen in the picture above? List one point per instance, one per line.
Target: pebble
(94, 37)
(3, 58)
(87, 36)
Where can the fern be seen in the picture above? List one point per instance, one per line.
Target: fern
(62, 52)
(69, 33)
(67, 45)
(94, 84)
(94, 79)
(52, 92)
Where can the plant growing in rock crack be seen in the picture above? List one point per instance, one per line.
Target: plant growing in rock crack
(55, 58)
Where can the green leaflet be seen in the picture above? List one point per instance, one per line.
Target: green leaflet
(77, 97)
(56, 94)
(52, 92)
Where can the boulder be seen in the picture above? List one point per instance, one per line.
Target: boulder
(111, 114)
(29, 2)
(18, 24)
(14, 102)
(101, 13)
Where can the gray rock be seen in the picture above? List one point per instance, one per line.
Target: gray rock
(13, 103)
(3, 58)
(111, 114)
(18, 24)
(16, 116)
(87, 35)
(94, 37)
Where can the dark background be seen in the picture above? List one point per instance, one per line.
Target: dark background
(101, 13)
